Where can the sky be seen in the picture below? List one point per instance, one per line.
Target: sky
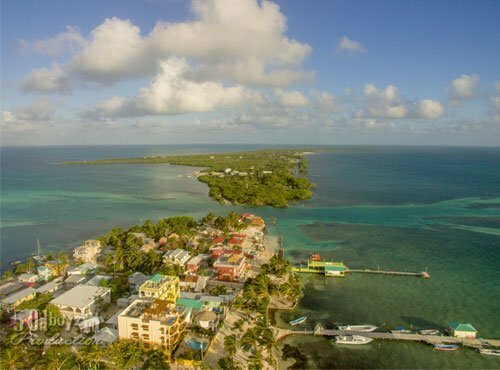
(340, 72)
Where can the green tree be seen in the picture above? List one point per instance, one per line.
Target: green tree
(155, 361)
(125, 354)
(227, 363)
(11, 358)
(230, 344)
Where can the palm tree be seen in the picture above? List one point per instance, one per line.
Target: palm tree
(11, 359)
(30, 265)
(230, 344)
(250, 339)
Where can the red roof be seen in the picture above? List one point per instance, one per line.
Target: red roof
(233, 241)
(236, 235)
(218, 240)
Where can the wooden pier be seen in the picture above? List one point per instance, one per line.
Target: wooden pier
(423, 274)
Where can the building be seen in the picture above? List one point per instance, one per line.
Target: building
(160, 287)
(460, 330)
(136, 280)
(9, 288)
(207, 320)
(83, 269)
(96, 280)
(194, 264)
(44, 273)
(27, 278)
(88, 251)
(11, 302)
(51, 287)
(74, 280)
(177, 256)
(82, 301)
(231, 268)
(155, 323)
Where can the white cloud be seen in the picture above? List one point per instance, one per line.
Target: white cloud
(243, 42)
(171, 93)
(347, 45)
(291, 98)
(52, 79)
(430, 109)
(28, 118)
(384, 103)
(495, 101)
(463, 87)
(67, 42)
(325, 102)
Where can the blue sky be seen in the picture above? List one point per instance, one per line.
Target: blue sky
(247, 71)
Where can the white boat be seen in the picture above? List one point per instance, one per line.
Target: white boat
(490, 352)
(352, 339)
(298, 321)
(401, 330)
(429, 332)
(366, 328)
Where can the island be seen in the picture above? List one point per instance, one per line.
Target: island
(273, 177)
(178, 292)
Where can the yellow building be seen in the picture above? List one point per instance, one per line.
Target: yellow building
(155, 323)
(160, 287)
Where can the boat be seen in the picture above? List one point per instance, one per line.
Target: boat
(38, 257)
(446, 347)
(298, 321)
(490, 352)
(429, 332)
(315, 257)
(366, 328)
(352, 339)
(401, 330)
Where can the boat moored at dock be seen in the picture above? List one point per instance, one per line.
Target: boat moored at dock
(489, 352)
(365, 328)
(352, 339)
(446, 347)
(298, 321)
(401, 330)
(429, 332)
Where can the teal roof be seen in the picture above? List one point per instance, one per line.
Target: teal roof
(335, 268)
(189, 303)
(462, 327)
(156, 278)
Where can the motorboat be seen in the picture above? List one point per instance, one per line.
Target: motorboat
(489, 352)
(366, 328)
(429, 332)
(446, 347)
(352, 339)
(298, 321)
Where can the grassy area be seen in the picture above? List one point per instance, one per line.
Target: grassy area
(264, 177)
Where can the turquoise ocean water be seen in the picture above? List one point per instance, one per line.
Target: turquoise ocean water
(387, 207)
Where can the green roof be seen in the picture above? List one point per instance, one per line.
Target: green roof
(156, 278)
(335, 268)
(462, 327)
(189, 303)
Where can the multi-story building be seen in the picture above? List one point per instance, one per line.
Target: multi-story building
(160, 287)
(231, 267)
(177, 256)
(155, 323)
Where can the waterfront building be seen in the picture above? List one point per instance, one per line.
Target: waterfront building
(155, 323)
(89, 251)
(160, 287)
(12, 301)
(82, 301)
(136, 280)
(231, 268)
(460, 330)
(27, 278)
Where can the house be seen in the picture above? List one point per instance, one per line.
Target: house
(89, 324)
(194, 264)
(177, 256)
(231, 268)
(460, 330)
(193, 305)
(82, 301)
(88, 252)
(218, 240)
(51, 287)
(12, 301)
(126, 301)
(96, 280)
(83, 269)
(9, 287)
(157, 322)
(136, 280)
(24, 317)
(27, 278)
(160, 287)
(105, 336)
(44, 273)
(73, 280)
(207, 320)
(188, 283)
(234, 242)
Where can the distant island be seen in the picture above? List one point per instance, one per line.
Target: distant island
(274, 177)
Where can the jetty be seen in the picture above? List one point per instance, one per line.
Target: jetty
(339, 269)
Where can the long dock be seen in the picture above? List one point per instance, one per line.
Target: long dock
(423, 274)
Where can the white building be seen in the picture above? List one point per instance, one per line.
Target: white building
(177, 256)
(27, 278)
(81, 301)
(207, 320)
